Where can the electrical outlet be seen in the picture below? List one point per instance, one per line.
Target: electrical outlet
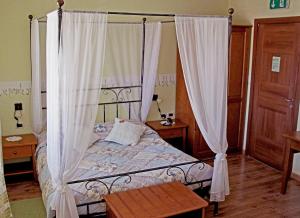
(18, 106)
(155, 97)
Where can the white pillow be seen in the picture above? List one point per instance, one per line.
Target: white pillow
(125, 133)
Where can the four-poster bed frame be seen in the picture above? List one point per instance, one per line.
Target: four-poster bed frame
(117, 100)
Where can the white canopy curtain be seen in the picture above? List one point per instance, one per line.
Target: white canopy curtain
(5, 210)
(152, 48)
(203, 48)
(73, 85)
(122, 65)
(36, 98)
(123, 62)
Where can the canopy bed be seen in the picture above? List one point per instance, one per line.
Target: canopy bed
(76, 171)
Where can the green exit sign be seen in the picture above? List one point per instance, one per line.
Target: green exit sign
(276, 4)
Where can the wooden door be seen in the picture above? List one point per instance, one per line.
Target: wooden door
(275, 87)
(237, 86)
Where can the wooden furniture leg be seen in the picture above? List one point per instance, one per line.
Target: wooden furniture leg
(33, 147)
(288, 162)
(203, 213)
(184, 131)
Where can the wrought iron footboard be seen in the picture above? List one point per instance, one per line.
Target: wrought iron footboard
(110, 182)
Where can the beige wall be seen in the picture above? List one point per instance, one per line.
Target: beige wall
(245, 13)
(14, 43)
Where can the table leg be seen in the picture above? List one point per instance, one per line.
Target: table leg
(203, 213)
(34, 163)
(288, 162)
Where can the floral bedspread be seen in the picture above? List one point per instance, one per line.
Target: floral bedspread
(107, 158)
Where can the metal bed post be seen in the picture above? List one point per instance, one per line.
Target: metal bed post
(30, 27)
(230, 11)
(143, 63)
(60, 3)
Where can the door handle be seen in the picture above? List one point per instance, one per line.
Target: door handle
(289, 100)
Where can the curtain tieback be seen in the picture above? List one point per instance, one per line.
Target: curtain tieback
(221, 156)
(61, 188)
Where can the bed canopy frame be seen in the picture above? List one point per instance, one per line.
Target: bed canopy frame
(116, 91)
(126, 177)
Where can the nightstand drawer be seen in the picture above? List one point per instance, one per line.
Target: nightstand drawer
(17, 152)
(170, 133)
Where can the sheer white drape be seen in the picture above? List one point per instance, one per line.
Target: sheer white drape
(73, 86)
(5, 210)
(36, 98)
(203, 48)
(152, 48)
(123, 62)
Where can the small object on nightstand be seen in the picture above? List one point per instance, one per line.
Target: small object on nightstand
(178, 129)
(14, 138)
(24, 148)
(167, 122)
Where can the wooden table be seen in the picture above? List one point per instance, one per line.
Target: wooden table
(177, 130)
(292, 146)
(164, 200)
(20, 149)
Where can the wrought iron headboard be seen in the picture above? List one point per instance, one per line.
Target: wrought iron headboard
(117, 99)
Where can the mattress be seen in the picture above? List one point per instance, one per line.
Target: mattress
(107, 158)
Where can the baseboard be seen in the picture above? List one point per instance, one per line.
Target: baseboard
(295, 176)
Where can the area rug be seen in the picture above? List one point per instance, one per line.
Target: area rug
(28, 208)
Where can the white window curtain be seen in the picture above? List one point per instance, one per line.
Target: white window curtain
(73, 85)
(36, 98)
(152, 48)
(203, 48)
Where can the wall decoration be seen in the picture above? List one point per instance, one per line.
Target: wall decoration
(12, 88)
(166, 79)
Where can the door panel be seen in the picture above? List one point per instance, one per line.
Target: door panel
(236, 65)
(233, 122)
(237, 83)
(273, 93)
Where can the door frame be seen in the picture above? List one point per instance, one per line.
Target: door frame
(257, 22)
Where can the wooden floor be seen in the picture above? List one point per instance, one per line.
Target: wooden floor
(255, 192)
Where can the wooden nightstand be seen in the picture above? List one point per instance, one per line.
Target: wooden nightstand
(177, 130)
(21, 149)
